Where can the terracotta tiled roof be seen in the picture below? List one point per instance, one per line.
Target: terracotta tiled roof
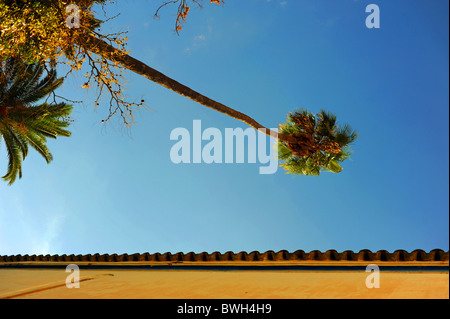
(283, 255)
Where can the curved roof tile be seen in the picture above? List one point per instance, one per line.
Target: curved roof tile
(283, 255)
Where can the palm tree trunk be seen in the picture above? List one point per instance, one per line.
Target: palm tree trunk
(101, 48)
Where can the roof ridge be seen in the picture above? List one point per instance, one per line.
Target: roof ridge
(270, 255)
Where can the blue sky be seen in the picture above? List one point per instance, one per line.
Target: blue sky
(111, 190)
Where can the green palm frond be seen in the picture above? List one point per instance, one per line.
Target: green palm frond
(324, 130)
(23, 124)
(14, 155)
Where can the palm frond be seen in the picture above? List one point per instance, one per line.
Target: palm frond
(22, 123)
(14, 156)
(330, 143)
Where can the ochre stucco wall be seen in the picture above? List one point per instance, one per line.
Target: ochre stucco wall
(181, 284)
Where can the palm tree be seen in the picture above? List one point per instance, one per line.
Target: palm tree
(22, 123)
(320, 144)
(302, 148)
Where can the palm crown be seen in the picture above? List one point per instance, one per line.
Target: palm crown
(23, 124)
(319, 143)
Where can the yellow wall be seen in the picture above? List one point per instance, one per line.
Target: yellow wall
(180, 284)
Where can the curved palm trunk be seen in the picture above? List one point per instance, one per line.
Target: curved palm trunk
(101, 48)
